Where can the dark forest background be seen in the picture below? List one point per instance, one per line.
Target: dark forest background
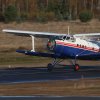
(47, 10)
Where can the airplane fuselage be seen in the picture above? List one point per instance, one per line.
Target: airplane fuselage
(77, 47)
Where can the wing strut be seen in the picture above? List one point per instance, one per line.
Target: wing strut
(33, 43)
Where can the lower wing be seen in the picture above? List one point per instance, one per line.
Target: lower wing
(31, 53)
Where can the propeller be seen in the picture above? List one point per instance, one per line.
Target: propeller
(51, 44)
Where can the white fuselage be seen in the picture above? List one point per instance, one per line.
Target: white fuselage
(76, 46)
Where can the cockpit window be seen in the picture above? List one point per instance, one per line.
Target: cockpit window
(71, 39)
(64, 37)
(67, 38)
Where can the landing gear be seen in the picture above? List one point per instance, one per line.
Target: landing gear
(50, 67)
(76, 67)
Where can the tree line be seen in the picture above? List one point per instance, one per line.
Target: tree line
(47, 10)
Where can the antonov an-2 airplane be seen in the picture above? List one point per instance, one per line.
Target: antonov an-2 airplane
(62, 46)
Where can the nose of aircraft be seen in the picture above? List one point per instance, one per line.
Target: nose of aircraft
(51, 44)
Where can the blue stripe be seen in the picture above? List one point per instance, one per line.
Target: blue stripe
(71, 52)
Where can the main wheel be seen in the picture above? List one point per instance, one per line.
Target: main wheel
(76, 67)
(50, 67)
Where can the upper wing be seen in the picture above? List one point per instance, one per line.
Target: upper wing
(36, 34)
(89, 36)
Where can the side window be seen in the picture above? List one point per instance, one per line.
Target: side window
(64, 37)
(72, 39)
(68, 38)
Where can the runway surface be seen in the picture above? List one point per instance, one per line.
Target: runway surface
(47, 98)
(21, 75)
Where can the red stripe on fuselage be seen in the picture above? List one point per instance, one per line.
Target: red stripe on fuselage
(75, 46)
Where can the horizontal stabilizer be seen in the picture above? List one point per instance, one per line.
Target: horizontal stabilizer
(31, 53)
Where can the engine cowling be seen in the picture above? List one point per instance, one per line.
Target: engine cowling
(51, 44)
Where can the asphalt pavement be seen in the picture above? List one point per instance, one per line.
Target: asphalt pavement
(21, 74)
(47, 98)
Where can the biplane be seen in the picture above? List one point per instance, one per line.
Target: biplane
(64, 46)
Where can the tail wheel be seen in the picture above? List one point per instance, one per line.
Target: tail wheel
(50, 67)
(76, 67)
